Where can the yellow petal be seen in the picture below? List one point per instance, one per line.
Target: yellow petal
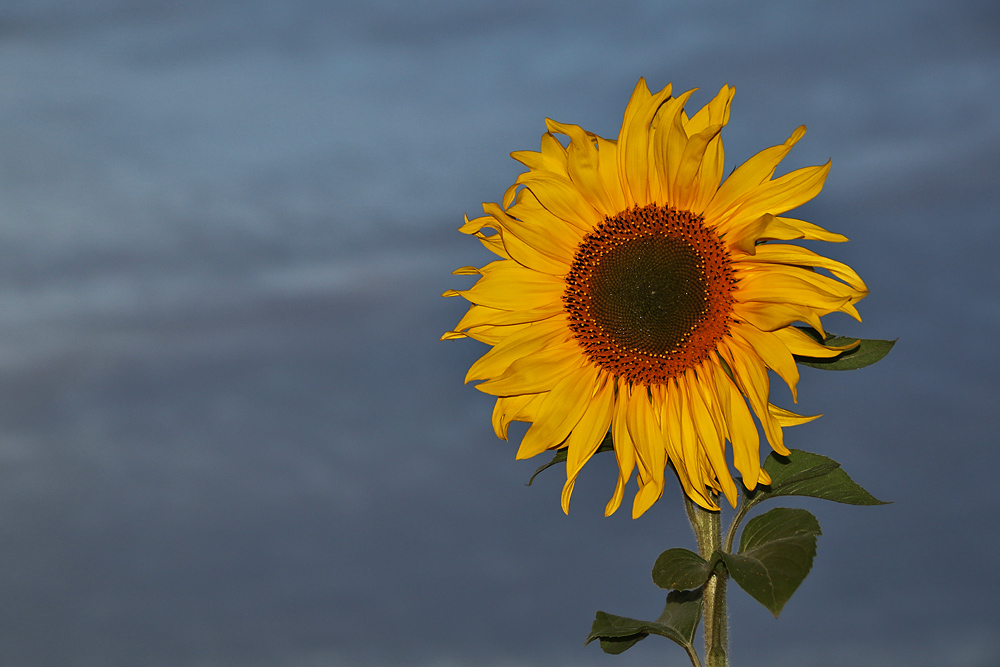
(709, 432)
(715, 112)
(788, 418)
(607, 155)
(685, 188)
(624, 449)
(478, 316)
(633, 143)
(788, 229)
(527, 207)
(509, 286)
(790, 287)
(537, 373)
(688, 442)
(583, 166)
(782, 253)
(744, 239)
(551, 158)
(749, 175)
(559, 412)
(648, 441)
(593, 426)
(590, 431)
(667, 143)
(561, 198)
(532, 246)
(526, 342)
(751, 377)
(493, 335)
(644, 431)
(773, 352)
(800, 343)
(777, 196)
(774, 316)
(743, 434)
(514, 408)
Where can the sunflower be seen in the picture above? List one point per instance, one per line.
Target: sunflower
(639, 292)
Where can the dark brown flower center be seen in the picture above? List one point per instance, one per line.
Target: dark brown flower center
(649, 293)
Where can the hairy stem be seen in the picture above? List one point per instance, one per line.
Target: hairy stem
(708, 531)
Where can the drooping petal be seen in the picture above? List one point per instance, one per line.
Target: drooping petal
(624, 448)
(526, 342)
(773, 352)
(644, 430)
(588, 433)
(709, 430)
(788, 418)
(537, 373)
(751, 377)
(791, 255)
(514, 408)
(802, 344)
(789, 229)
(743, 435)
(773, 316)
(559, 412)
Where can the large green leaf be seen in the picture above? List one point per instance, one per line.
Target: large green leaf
(807, 474)
(776, 553)
(607, 445)
(680, 569)
(865, 353)
(678, 623)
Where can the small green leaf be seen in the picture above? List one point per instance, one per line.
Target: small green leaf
(619, 645)
(680, 569)
(776, 553)
(560, 457)
(807, 474)
(618, 633)
(682, 613)
(678, 623)
(607, 445)
(865, 353)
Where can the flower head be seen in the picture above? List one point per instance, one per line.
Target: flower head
(638, 291)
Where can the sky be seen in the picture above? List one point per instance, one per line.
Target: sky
(230, 436)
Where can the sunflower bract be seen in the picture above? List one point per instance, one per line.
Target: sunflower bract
(637, 291)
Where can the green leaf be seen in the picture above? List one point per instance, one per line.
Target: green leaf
(798, 466)
(678, 623)
(680, 569)
(807, 474)
(607, 445)
(682, 613)
(776, 553)
(865, 353)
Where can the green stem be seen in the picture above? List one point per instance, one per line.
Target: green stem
(708, 531)
(693, 655)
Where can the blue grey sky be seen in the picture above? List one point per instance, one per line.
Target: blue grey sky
(229, 435)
